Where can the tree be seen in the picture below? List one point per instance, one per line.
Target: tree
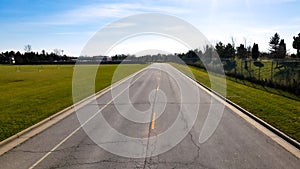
(249, 51)
(293, 56)
(43, 52)
(233, 41)
(282, 49)
(27, 48)
(255, 51)
(220, 49)
(2, 58)
(274, 45)
(242, 54)
(58, 52)
(19, 58)
(208, 54)
(296, 44)
(191, 56)
(241, 51)
(229, 51)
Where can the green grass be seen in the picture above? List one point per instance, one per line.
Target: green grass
(29, 94)
(278, 108)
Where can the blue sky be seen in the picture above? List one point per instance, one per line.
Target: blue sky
(69, 24)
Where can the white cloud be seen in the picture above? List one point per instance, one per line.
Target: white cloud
(120, 25)
(218, 20)
(74, 33)
(94, 12)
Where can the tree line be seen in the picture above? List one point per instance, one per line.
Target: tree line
(284, 69)
(227, 51)
(30, 57)
(277, 49)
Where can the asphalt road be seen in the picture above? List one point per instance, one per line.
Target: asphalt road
(152, 120)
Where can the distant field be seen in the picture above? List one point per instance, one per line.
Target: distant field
(280, 76)
(278, 108)
(265, 72)
(29, 94)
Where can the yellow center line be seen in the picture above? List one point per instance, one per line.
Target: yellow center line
(154, 114)
(153, 121)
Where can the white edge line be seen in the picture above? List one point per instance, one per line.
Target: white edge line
(286, 145)
(17, 139)
(77, 129)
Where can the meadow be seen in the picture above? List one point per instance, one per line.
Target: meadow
(271, 71)
(31, 93)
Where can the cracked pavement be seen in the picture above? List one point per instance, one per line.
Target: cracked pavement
(234, 144)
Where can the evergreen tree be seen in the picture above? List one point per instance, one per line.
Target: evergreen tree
(241, 51)
(255, 51)
(274, 45)
(282, 49)
(296, 44)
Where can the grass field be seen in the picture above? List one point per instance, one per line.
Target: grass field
(278, 108)
(265, 72)
(278, 75)
(29, 94)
